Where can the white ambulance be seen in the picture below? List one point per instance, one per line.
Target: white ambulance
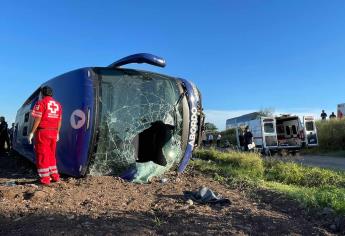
(271, 134)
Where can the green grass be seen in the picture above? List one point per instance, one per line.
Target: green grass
(250, 162)
(331, 135)
(314, 187)
(315, 197)
(292, 173)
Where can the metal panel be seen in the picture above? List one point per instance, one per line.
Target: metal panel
(193, 101)
(74, 90)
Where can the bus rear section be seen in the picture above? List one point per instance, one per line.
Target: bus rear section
(75, 92)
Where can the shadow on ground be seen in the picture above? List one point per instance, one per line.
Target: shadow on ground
(157, 223)
(15, 166)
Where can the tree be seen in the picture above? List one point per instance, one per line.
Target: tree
(210, 127)
(268, 111)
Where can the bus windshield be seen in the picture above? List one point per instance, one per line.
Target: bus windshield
(140, 123)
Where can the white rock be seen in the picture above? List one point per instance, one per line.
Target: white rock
(190, 202)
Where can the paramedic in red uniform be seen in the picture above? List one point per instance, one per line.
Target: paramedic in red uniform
(47, 113)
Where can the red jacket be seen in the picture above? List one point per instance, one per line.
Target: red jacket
(50, 112)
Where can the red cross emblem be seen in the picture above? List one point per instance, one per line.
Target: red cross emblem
(53, 107)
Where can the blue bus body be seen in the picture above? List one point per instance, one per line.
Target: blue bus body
(74, 90)
(78, 92)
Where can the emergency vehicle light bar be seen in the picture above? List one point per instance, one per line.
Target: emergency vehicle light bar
(140, 58)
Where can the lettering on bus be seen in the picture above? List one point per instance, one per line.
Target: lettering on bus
(193, 126)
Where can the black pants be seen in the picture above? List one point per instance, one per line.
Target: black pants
(4, 139)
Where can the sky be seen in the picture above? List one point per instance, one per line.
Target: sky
(243, 55)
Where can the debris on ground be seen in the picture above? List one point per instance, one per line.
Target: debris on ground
(9, 183)
(205, 195)
(106, 205)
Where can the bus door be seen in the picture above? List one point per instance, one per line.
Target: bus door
(269, 132)
(310, 131)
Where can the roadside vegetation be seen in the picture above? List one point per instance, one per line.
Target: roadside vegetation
(331, 134)
(312, 186)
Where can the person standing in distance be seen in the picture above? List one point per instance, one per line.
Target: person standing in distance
(323, 115)
(332, 116)
(210, 139)
(204, 138)
(219, 136)
(48, 115)
(248, 138)
(4, 138)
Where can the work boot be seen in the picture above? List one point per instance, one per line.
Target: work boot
(45, 180)
(55, 177)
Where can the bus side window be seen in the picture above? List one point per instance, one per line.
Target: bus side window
(34, 101)
(26, 117)
(25, 131)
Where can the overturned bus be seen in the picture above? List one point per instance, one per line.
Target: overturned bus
(116, 121)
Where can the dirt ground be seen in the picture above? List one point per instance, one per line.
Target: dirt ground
(110, 206)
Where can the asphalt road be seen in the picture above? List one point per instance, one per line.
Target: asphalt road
(337, 163)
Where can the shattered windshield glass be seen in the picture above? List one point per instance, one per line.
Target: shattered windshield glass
(140, 124)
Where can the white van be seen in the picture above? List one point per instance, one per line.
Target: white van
(276, 133)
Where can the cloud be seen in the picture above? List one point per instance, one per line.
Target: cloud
(219, 117)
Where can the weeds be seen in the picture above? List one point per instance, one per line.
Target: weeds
(157, 221)
(292, 173)
(313, 197)
(331, 135)
(232, 163)
(314, 187)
